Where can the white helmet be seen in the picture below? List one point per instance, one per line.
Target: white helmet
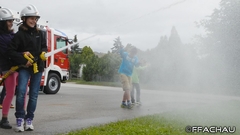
(29, 10)
(6, 14)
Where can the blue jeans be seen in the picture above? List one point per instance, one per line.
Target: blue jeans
(34, 86)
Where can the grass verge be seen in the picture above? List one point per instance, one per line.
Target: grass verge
(147, 125)
(112, 84)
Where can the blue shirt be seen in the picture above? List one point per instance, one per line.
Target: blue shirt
(127, 64)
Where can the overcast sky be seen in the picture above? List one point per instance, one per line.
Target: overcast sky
(139, 22)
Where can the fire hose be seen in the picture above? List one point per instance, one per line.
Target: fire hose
(32, 60)
(14, 68)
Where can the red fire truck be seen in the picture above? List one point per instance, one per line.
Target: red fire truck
(57, 65)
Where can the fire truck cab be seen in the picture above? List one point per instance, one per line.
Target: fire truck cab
(57, 65)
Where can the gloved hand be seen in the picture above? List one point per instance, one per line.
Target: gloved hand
(42, 56)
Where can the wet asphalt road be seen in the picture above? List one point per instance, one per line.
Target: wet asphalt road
(78, 106)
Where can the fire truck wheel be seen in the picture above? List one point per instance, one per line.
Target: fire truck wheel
(53, 84)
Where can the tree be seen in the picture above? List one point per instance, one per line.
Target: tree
(172, 63)
(117, 45)
(108, 66)
(86, 54)
(75, 57)
(221, 43)
(91, 60)
(75, 61)
(91, 68)
(75, 48)
(222, 26)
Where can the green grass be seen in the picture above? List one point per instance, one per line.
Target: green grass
(113, 84)
(147, 125)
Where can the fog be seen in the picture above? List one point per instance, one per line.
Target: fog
(208, 67)
(173, 64)
(207, 64)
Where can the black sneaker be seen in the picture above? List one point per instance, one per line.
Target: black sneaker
(5, 125)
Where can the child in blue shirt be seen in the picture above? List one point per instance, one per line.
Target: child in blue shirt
(129, 60)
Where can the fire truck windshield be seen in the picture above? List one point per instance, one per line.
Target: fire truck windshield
(61, 43)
